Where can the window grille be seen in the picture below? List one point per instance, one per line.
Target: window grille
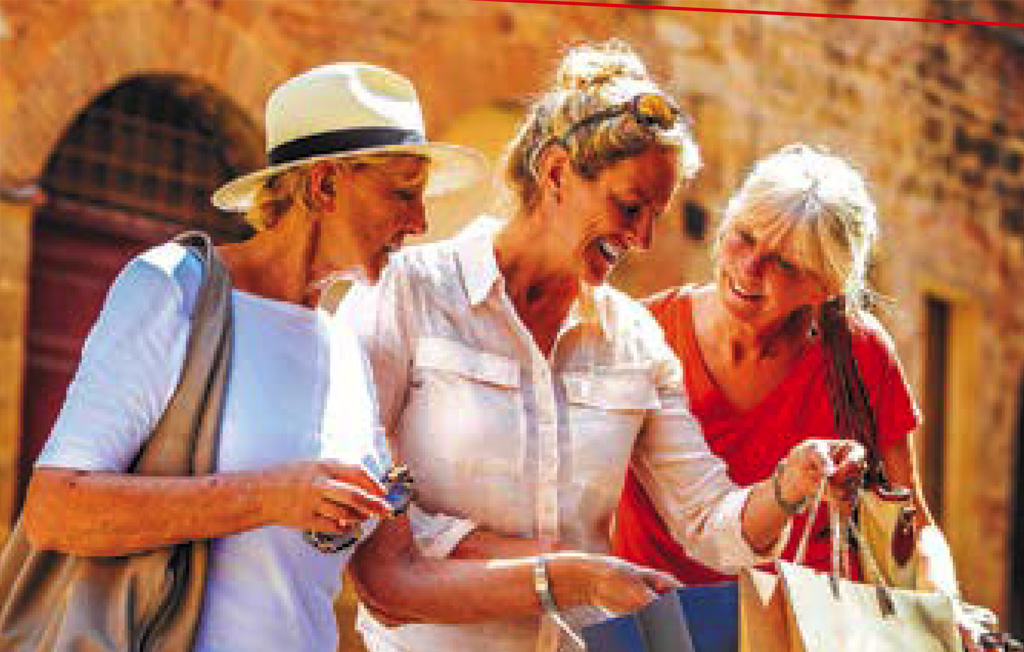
(143, 148)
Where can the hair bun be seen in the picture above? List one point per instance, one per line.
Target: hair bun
(590, 66)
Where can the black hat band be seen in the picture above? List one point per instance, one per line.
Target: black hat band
(341, 141)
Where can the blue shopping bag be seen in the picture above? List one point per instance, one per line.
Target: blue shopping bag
(713, 614)
(691, 619)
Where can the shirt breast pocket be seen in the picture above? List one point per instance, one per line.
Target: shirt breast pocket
(465, 405)
(607, 408)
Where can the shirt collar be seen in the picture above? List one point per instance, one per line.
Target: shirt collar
(475, 249)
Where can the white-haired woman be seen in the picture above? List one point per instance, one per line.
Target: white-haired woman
(518, 386)
(765, 345)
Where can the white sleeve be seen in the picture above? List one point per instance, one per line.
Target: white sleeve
(688, 484)
(381, 317)
(129, 368)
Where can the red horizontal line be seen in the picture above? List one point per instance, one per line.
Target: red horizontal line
(761, 13)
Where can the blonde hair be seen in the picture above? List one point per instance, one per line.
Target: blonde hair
(291, 189)
(592, 78)
(822, 204)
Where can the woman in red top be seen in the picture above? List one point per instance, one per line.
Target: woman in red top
(796, 235)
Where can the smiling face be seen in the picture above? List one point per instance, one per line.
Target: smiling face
(764, 272)
(377, 204)
(597, 221)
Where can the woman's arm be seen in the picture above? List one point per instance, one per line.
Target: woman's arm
(99, 513)
(485, 544)
(721, 525)
(400, 585)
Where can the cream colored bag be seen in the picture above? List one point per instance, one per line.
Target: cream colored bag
(827, 614)
(803, 610)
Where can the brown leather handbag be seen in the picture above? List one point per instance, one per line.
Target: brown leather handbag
(885, 512)
(149, 601)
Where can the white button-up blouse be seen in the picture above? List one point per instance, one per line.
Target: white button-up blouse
(501, 437)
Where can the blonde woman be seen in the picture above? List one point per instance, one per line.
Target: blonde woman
(517, 385)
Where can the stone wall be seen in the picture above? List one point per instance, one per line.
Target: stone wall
(929, 112)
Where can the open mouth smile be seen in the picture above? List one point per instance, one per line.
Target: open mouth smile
(743, 292)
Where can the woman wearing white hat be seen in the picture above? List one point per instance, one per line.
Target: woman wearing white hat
(299, 448)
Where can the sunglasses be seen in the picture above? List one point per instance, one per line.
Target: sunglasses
(649, 110)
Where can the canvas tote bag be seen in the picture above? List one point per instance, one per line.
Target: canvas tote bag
(803, 610)
(148, 601)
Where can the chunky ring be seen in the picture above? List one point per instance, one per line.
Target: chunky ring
(329, 543)
(791, 507)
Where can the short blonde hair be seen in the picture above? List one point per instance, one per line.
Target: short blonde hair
(592, 78)
(291, 190)
(821, 202)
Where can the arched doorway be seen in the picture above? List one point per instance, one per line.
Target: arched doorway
(134, 168)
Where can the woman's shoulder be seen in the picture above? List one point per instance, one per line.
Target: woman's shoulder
(423, 269)
(439, 266)
(671, 302)
(425, 258)
(870, 339)
(631, 316)
(164, 272)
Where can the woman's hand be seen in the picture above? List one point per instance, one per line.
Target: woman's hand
(322, 495)
(617, 585)
(801, 472)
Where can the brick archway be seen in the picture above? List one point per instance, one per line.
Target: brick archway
(56, 83)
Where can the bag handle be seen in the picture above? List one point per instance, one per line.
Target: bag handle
(184, 440)
(852, 413)
(838, 526)
(801, 549)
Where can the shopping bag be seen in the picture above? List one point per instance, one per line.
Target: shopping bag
(658, 627)
(825, 613)
(712, 616)
(691, 619)
(762, 612)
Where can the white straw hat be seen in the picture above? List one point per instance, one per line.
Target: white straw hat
(349, 109)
